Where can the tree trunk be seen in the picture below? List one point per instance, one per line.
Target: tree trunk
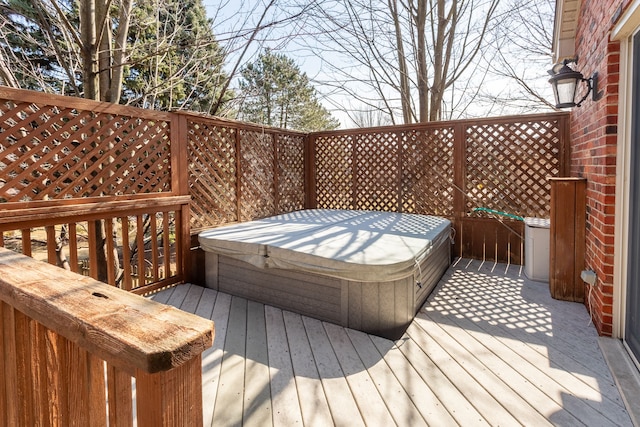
(89, 52)
(439, 79)
(6, 75)
(103, 34)
(119, 51)
(423, 79)
(405, 91)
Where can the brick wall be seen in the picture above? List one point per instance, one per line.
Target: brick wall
(594, 146)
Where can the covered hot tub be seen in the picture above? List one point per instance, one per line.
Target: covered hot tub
(370, 271)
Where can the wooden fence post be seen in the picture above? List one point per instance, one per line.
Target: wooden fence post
(459, 184)
(567, 233)
(275, 141)
(311, 201)
(170, 398)
(239, 169)
(180, 187)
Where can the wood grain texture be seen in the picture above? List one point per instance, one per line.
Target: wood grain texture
(125, 329)
(228, 408)
(257, 409)
(567, 234)
(120, 401)
(489, 346)
(9, 368)
(170, 398)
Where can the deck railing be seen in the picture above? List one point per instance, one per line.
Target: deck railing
(100, 182)
(70, 346)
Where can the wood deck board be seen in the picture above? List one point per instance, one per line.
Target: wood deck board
(372, 407)
(313, 402)
(472, 390)
(488, 347)
(408, 375)
(441, 389)
(495, 380)
(284, 394)
(257, 394)
(390, 389)
(341, 402)
(229, 404)
(212, 357)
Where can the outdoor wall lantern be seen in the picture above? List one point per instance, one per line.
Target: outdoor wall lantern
(564, 81)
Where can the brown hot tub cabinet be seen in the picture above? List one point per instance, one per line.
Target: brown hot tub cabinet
(370, 271)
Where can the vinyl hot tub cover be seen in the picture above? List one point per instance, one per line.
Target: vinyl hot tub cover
(353, 245)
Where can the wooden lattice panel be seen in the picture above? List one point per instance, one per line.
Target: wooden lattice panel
(52, 152)
(290, 165)
(334, 171)
(428, 171)
(508, 165)
(377, 171)
(257, 183)
(212, 174)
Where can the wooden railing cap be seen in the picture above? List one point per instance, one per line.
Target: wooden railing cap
(126, 330)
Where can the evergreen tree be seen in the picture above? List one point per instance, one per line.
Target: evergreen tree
(184, 70)
(171, 57)
(34, 47)
(276, 93)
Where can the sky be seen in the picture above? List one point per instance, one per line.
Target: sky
(231, 16)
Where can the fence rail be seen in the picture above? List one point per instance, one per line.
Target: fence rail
(140, 235)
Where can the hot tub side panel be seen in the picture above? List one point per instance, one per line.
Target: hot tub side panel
(431, 270)
(304, 293)
(379, 308)
(387, 308)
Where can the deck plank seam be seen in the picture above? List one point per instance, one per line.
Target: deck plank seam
(490, 368)
(494, 332)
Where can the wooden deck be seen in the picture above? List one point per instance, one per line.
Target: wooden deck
(489, 348)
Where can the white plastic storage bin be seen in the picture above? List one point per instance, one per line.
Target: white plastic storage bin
(536, 249)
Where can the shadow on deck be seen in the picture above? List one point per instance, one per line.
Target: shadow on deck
(488, 347)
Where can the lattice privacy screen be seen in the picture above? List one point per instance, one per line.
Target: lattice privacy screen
(427, 172)
(240, 173)
(502, 164)
(290, 166)
(334, 171)
(403, 171)
(212, 174)
(507, 166)
(257, 168)
(53, 152)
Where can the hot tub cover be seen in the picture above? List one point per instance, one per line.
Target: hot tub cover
(365, 246)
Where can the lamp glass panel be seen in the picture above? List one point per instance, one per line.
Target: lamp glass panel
(566, 91)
